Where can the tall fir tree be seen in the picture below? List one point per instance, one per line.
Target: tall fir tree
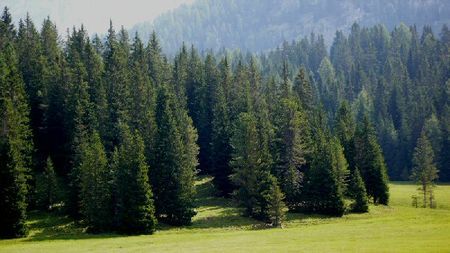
(95, 184)
(424, 171)
(369, 160)
(134, 211)
(173, 179)
(15, 141)
(221, 132)
(358, 193)
(323, 191)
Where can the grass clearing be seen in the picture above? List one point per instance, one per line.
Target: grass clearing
(218, 227)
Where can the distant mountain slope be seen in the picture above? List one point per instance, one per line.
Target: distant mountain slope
(262, 24)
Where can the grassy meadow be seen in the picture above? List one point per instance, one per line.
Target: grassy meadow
(218, 227)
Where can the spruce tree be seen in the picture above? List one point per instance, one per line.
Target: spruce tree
(252, 178)
(292, 149)
(221, 133)
(246, 163)
(117, 80)
(32, 68)
(358, 193)
(424, 171)
(323, 192)
(369, 159)
(304, 91)
(276, 208)
(143, 96)
(344, 128)
(15, 145)
(175, 158)
(134, 211)
(51, 188)
(95, 185)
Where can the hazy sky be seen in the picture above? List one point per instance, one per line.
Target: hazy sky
(94, 14)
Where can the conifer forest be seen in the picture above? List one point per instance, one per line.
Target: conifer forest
(115, 134)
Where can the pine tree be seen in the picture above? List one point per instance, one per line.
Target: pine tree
(175, 158)
(304, 91)
(143, 96)
(117, 84)
(134, 207)
(424, 170)
(246, 163)
(15, 144)
(344, 128)
(51, 188)
(57, 93)
(95, 185)
(32, 68)
(292, 137)
(221, 133)
(276, 208)
(252, 178)
(358, 193)
(369, 159)
(323, 191)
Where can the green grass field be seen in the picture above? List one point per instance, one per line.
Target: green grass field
(219, 228)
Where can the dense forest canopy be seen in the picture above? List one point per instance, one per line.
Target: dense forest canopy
(114, 132)
(256, 25)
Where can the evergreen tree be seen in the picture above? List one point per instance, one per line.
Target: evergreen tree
(175, 157)
(51, 188)
(292, 150)
(32, 68)
(358, 193)
(251, 174)
(221, 133)
(424, 170)
(117, 84)
(246, 163)
(95, 185)
(369, 159)
(344, 128)
(323, 192)
(143, 97)
(276, 208)
(15, 144)
(134, 208)
(304, 90)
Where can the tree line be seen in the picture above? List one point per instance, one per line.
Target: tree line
(127, 130)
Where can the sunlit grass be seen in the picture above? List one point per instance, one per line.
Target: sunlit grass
(218, 227)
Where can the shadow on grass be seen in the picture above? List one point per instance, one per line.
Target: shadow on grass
(45, 226)
(213, 213)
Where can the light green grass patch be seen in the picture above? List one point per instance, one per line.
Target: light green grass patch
(218, 227)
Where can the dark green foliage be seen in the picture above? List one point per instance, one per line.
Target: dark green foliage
(276, 207)
(48, 191)
(95, 184)
(15, 143)
(323, 190)
(370, 161)
(221, 133)
(292, 149)
(254, 185)
(424, 171)
(261, 136)
(357, 191)
(344, 128)
(134, 209)
(304, 90)
(117, 80)
(175, 158)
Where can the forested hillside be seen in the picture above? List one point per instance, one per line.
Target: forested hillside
(256, 25)
(114, 132)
